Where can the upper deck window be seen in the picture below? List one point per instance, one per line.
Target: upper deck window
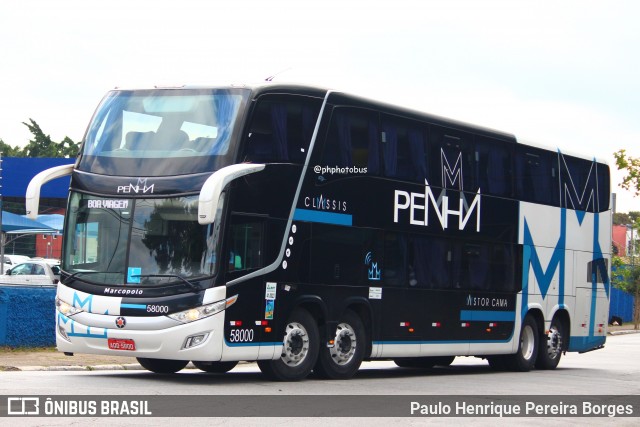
(163, 126)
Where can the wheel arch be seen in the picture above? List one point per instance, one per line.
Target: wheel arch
(538, 317)
(362, 308)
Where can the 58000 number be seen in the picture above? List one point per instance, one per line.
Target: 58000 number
(157, 309)
(241, 335)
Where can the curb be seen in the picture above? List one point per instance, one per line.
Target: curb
(624, 332)
(127, 367)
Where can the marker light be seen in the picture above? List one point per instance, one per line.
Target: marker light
(204, 311)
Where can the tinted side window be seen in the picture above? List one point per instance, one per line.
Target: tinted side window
(537, 175)
(353, 140)
(578, 184)
(404, 148)
(346, 256)
(280, 129)
(604, 187)
(451, 159)
(439, 263)
(245, 243)
(493, 167)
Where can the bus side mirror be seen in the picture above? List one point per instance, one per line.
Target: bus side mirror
(214, 186)
(33, 190)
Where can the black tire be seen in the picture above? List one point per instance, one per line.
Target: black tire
(162, 366)
(497, 363)
(551, 346)
(343, 360)
(299, 351)
(215, 367)
(424, 362)
(525, 358)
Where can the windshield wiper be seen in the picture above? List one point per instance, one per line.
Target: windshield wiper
(191, 285)
(91, 272)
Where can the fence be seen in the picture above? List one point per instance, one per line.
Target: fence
(27, 316)
(621, 305)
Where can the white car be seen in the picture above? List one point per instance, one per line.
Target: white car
(13, 260)
(33, 272)
(50, 261)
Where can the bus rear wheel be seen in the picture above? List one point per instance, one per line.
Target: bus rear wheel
(551, 346)
(215, 367)
(525, 358)
(162, 366)
(299, 349)
(343, 359)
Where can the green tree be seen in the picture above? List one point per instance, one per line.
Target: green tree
(630, 275)
(7, 150)
(621, 218)
(41, 145)
(631, 165)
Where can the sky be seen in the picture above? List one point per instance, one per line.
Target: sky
(560, 73)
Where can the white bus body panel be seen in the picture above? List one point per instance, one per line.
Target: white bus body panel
(560, 246)
(156, 337)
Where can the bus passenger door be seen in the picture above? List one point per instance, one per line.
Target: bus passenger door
(243, 254)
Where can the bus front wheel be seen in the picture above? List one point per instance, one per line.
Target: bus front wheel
(342, 360)
(299, 349)
(215, 367)
(162, 366)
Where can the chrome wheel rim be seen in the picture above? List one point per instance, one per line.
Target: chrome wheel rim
(554, 343)
(344, 346)
(295, 344)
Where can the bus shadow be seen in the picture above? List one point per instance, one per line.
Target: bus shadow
(244, 376)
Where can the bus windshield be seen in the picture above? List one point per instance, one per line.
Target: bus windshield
(195, 125)
(141, 242)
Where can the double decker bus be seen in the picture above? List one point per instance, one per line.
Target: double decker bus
(309, 230)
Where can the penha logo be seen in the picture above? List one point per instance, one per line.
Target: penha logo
(421, 204)
(140, 187)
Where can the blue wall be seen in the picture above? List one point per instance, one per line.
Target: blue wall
(27, 316)
(621, 305)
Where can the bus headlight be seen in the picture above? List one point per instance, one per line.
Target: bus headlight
(66, 309)
(201, 312)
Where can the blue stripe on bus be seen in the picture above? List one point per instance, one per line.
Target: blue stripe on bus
(479, 315)
(135, 306)
(322, 216)
(474, 341)
(585, 343)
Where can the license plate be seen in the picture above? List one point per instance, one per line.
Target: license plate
(121, 344)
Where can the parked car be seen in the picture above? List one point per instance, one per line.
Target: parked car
(13, 260)
(33, 272)
(50, 261)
